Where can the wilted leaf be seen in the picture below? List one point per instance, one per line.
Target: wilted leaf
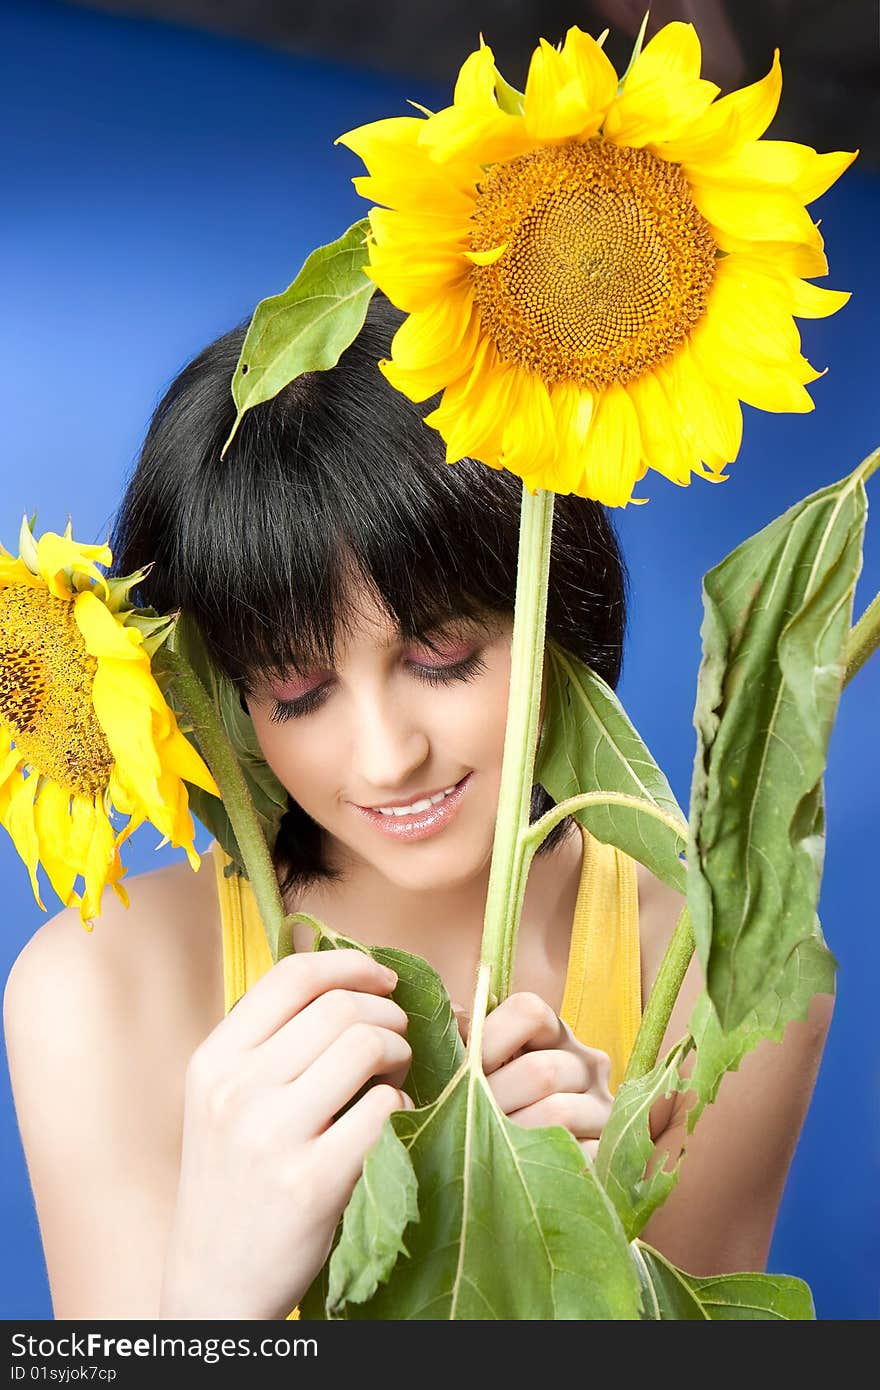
(309, 325)
(809, 970)
(777, 617)
(589, 745)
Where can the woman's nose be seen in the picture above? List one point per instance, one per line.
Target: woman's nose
(388, 746)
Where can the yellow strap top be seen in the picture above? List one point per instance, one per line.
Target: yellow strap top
(602, 1003)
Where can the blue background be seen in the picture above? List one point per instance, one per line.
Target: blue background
(159, 182)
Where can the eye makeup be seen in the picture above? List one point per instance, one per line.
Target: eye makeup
(467, 668)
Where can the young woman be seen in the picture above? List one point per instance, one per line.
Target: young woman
(188, 1158)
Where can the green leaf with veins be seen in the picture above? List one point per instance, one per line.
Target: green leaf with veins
(671, 1294)
(588, 744)
(309, 325)
(775, 628)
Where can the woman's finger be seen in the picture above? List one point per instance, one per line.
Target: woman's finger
(521, 1020)
(534, 1075)
(291, 984)
(289, 1052)
(583, 1115)
(342, 1148)
(361, 1053)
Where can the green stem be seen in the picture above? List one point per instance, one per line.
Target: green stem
(219, 754)
(661, 1000)
(510, 855)
(863, 640)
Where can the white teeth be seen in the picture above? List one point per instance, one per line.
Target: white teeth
(416, 806)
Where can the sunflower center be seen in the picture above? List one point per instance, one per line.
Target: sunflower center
(46, 676)
(608, 262)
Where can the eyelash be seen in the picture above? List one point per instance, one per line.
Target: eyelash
(466, 670)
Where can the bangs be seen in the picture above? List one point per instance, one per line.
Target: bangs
(333, 483)
(274, 545)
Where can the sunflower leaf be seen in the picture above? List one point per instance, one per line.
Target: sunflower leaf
(267, 793)
(669, 1293)
(589, 745)
(309, 325)
(512, 1221)
(809, 970)
(626, 1145)
(776, 622)
(432, 1032)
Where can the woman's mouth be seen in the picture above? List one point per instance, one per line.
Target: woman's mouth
(417, 824)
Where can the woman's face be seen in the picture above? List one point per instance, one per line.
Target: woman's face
(396, 722)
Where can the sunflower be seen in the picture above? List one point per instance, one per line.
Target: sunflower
(84, 727)
(598, 272)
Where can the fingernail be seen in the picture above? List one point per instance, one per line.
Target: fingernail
(390, 975)
(407, 1103)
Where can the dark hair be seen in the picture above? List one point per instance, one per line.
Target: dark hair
(338, 472)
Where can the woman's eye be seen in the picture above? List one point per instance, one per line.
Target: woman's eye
(467, 669)
(464, 670)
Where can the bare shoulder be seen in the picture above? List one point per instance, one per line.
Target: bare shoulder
(161, 953)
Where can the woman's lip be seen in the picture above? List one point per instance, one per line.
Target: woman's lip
(420, 824)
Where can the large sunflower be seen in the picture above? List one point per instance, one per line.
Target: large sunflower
(84, 727)
(596, 274)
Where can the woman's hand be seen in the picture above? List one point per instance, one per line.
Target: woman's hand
(539, 1073)
(266, 1170)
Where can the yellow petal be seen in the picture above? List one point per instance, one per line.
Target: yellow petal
(573, 407)
(52, 821)
(528, 444)
(477, 134)
(487, 257)
(56, 555)
(409, 231)
(815, 302)
(793, 257)
(767, 282)
(797, 168)
(733, 119)
(710, 417)
(664, 446)
(180, 759)
(613, 450)
(19, 821)
(756, 380)
(10, 761)
(13, 570)
(437, 334)
(471, 414)
(751, 307)
(379, 141)
(415, 282)
(589, 62)
(104, 634)
(755, 214)
(554, 100)
(99, 862)
(476, 79)
(663, 93)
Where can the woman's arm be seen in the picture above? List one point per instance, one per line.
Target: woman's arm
(720, 1215)
(97, 1110)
